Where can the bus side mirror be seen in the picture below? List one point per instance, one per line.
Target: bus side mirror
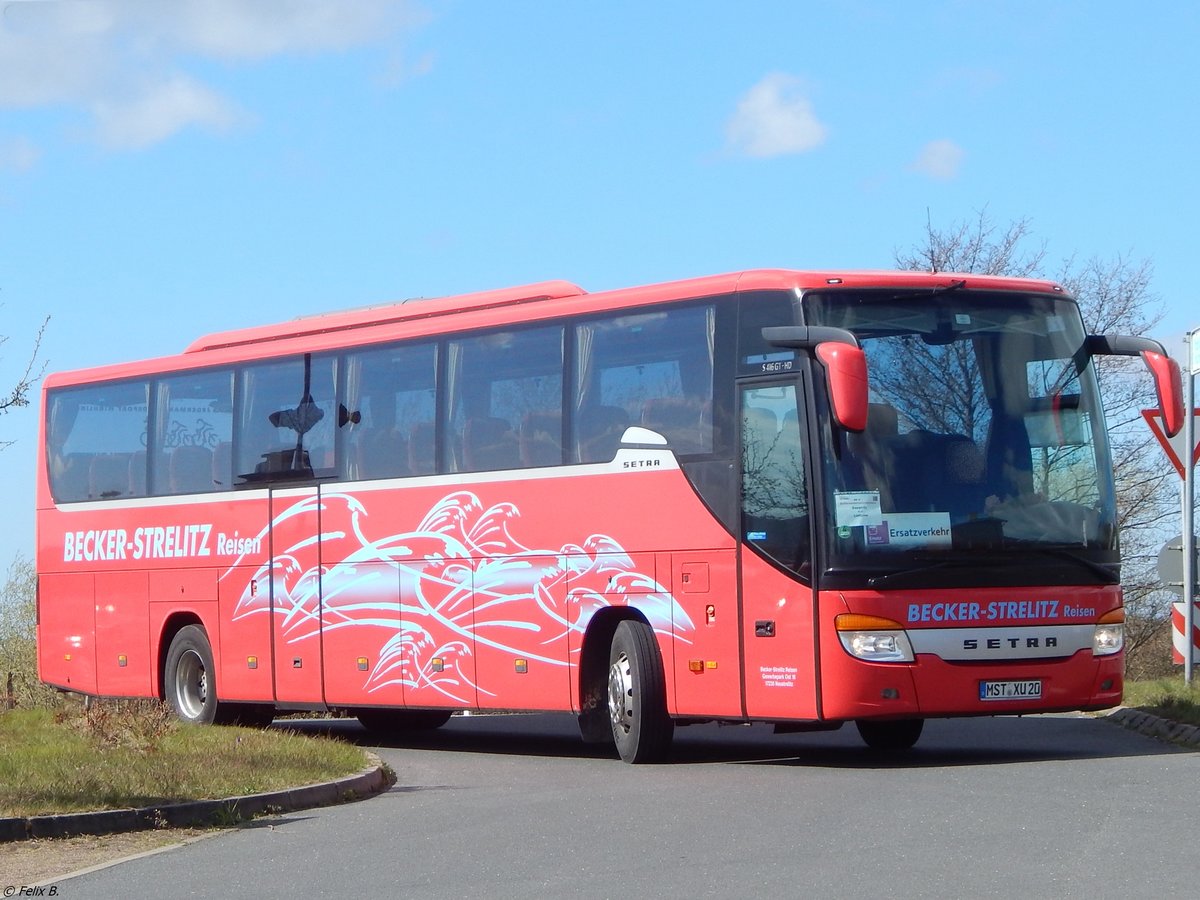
(1168, 383)
(1168, 380)
(844, 363)
(846, 379)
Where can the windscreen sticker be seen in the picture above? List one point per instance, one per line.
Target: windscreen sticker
(911, 530)
(857, 508)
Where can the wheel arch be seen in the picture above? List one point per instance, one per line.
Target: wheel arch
(172, 625)
(592, 678)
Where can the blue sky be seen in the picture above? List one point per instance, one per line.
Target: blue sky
(172, 169)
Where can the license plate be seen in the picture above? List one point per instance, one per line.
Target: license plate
(1010, 690)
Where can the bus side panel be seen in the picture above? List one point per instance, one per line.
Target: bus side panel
(66, 631)
(537, 676)
(123, 660)
(359, 669)
(245, 642)
(435, 649)
(781, 646)
(706, 674)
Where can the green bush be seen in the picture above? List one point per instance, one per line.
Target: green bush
(19, 684)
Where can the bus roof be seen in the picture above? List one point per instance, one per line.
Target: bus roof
(418, 308)
(558, 297)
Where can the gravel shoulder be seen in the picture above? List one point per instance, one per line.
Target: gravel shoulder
(45, 861)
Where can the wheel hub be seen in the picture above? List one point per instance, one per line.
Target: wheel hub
(620, 693)
(191, 684)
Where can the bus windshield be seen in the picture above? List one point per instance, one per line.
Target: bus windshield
(985, 433)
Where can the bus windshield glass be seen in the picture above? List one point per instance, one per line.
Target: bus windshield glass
(985, 435)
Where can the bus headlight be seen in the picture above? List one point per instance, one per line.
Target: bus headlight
(873, 638)
(1110, 633)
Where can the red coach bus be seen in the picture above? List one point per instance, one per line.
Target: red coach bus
(788, 497)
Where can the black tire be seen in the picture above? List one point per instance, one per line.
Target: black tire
(891, 735)
(189, 678)
(637, 695)
(399, 721)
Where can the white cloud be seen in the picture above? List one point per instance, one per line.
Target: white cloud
(161, 110)
(18, 154)
(249, 30)
(775, 118)
(939, 160)
(130, 63)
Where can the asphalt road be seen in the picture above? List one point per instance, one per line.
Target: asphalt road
(1048, 806)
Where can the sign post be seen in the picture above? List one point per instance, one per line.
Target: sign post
(1189, 500)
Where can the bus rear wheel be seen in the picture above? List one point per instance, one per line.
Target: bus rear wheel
(189, 677)
(637, 696)
(896, 734)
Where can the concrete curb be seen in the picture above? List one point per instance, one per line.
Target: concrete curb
(1156, 727)
(372, 780)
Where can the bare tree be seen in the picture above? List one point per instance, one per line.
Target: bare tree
(18, 394)
(977, 247)
(1114, 296)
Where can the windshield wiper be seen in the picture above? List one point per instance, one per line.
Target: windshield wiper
(955, 563)
(972, 560)
(1108, 571)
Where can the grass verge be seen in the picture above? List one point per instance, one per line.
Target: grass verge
(1166, 697)
(121, 754)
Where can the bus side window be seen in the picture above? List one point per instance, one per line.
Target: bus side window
(599, 429)
(489, 442)
(389, 395)
(194, 418)
(422, 448)
(92, 436)
(653, 369)
(774, 494)
(541, 438)
(288, 420)
(681, 420)
(507, 388)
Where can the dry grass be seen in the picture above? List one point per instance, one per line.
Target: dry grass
(120, 754)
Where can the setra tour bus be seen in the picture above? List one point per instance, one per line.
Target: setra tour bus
(788, 497)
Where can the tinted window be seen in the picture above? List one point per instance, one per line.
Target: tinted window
(287, 421)
(652, 369)
(193, 448)
(391, 408)
(96, 443)
(506, 400)
(774, 495)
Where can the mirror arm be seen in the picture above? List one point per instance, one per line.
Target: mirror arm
(1168, 379)
(807, 337)
(1122, 345)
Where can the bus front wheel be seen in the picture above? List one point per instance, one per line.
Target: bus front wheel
(189, 677)
(637, 696)
(896, 734)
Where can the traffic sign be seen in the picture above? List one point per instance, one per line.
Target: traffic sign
(1170, 564)
(1174, 447)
